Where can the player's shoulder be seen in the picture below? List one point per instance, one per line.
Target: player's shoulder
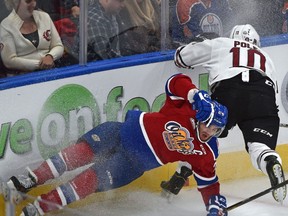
(214, 145)
(220, 42)
(223, 39)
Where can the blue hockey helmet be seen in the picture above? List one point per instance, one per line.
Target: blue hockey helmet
(218, 119)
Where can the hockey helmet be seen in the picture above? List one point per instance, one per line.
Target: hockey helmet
(245, 32)
(219, 120)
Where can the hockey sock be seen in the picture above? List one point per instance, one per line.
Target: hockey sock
(258, 152)
(262, 159)
(70, 158)
(206, 192)
(78, 155)
(81, 186)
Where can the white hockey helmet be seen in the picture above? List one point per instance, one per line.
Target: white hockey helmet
(247, 33)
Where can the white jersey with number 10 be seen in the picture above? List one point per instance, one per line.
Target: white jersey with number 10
(225, 58)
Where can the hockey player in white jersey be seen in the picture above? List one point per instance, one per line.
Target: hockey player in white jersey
(241, 76)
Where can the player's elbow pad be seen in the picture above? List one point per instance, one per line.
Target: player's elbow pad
(178, 59)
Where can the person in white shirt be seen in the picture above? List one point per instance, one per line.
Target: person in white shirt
(29, 39)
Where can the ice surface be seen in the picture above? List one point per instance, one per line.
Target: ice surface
(187, 203)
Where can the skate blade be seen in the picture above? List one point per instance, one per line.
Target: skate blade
(280, 193)
(10, 193)
(167, 195)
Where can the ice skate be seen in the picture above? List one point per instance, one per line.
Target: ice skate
(31, 210)
(16, 188)
(276, 176)
(10, 194)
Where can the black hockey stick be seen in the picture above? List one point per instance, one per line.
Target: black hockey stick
(262, 193)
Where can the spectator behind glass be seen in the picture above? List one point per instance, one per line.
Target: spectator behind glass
(59, 9)
(29, 39)
(3, 13)
(71, 7)
(139, 20)
(65, 15)
(193, 17)
(67, 26)
(102, 30)
(52, 7)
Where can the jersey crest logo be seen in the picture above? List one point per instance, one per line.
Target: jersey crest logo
(95, 137)
(211, 23)
(47, 35)
(177, 138)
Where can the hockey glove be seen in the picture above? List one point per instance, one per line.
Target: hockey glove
(216, 206)
(220, 115)
(177, 181)
(203, 105)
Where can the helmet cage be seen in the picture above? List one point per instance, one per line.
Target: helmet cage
(217, 134)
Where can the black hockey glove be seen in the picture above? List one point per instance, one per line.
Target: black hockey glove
(177, 181)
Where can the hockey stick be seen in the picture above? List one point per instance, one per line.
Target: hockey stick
(262, 193)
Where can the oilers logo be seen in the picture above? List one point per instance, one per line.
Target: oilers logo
(212, 23)
(177, 138)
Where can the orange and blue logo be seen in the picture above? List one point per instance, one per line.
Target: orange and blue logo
(177, 138)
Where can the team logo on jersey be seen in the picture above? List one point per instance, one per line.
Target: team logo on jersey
(177, 138)
(95, 137)
(47, 35)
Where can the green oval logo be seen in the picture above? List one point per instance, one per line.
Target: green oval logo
(68, 113)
